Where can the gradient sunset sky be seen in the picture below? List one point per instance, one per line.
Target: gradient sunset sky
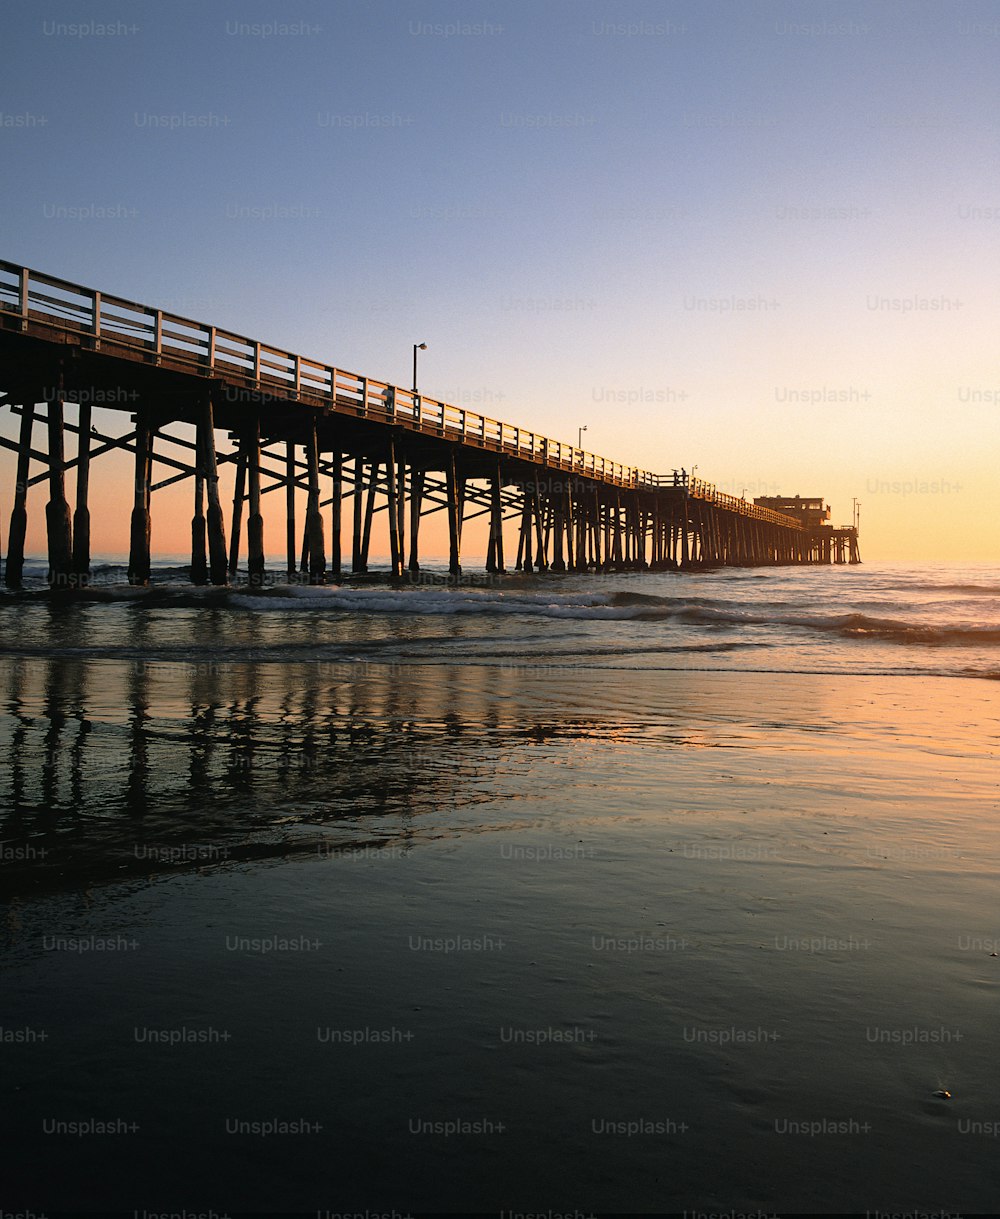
(761, 238)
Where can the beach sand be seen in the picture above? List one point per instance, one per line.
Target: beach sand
(478, 939)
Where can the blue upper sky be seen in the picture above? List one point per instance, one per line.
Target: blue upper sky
(761, 237)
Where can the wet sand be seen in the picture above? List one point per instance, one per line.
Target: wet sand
(652, 943)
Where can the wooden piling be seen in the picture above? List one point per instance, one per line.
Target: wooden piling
(494, 559)
(568, 510)
(57, 509)
(314, 517)
(558, 530)
(290, 509)
(491, 545)
(359, 486)
(541, 557)
(454, 516)
(580, 515)
(14, 573)
(395, 558)
(527, 563)
(617, 558)
(139, 548)
(401, 505)
(217, 560)
(239, 495)
(416, 503)
(460, 484)
(255, 522)
(336, 511)
(684, 529)
(366, 537)
(304, 561)
(81, 515)
(199, 532)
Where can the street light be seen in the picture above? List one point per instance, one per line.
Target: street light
(579, 436)
(416, 347)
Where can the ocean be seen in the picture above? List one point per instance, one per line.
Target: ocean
(643, 893)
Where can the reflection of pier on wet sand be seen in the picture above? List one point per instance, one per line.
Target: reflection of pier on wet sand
(121, 766)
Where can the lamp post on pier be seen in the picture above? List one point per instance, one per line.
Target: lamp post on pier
(416, 347)
(579, 436)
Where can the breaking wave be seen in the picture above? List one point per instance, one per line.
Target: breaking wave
(714, 613)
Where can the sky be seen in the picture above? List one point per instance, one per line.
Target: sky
(759, 238)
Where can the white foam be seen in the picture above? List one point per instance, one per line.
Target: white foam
(447, 601)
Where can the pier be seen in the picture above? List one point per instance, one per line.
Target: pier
(344, 451)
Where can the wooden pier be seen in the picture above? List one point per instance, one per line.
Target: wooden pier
(346, 450)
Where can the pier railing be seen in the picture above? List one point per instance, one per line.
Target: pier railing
(110, 323)
(699, 489)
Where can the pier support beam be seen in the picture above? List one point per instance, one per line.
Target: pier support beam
(395, 557)
(454, 517)
(558, 529)
(255, 523)
(139, 548)
(239, 495)
(217, 564)
(616, 558)
(81, 516)
(526, 563)
(314, 517)
(336, 512)
(290, 510)
(566, 521)
(199, 532)
(494, 554)
(416, 502)
(684, 526)
(401, 505)
(57, 509)
(541, 555)
(359, 486)
(581, 530)
(366, 536)
(14, 574)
